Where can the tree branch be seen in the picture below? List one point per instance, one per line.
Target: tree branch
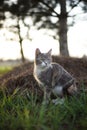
(44, 13)
(73, 6)
(51, 9)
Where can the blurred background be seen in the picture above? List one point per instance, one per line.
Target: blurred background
(29, 24)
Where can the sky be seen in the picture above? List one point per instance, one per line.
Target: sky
(77, 39)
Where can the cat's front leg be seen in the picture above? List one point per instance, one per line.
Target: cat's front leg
(47, 94)
(58, 101)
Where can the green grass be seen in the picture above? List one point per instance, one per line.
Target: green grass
(25, 112)
(4, 69)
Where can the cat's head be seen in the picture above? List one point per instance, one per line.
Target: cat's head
(43, 60)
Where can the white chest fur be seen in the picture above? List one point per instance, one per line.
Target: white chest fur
(38, 70)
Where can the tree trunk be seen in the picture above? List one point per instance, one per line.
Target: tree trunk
(63, 29)
(20, 41)
(21, 51)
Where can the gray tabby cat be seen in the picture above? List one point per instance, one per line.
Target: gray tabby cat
(52, 77)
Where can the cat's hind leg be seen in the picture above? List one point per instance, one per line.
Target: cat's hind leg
(72, 90)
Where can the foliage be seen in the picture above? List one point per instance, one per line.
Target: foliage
(25, 112)
(5, 69)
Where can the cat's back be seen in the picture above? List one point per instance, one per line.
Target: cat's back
(60, 75)
(57, 68)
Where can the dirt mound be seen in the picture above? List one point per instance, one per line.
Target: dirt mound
(22, 76)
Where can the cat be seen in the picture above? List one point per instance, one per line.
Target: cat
(52, 77)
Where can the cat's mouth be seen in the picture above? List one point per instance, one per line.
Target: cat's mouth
(44, 64)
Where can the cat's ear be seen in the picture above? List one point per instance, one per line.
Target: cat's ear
(37, 52)
(49, 52)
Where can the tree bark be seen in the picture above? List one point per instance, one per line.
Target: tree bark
(63, 29)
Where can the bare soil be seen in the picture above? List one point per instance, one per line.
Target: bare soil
(22, 76)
